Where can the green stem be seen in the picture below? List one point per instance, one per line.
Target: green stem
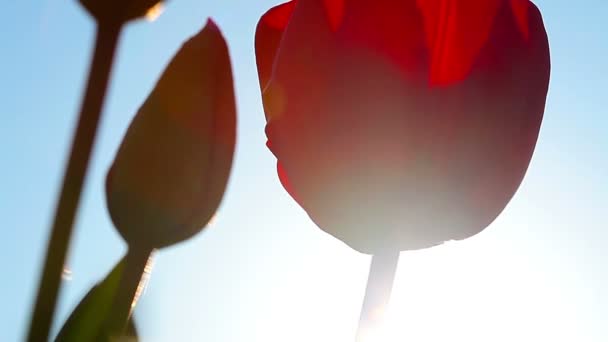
(118, 317)
(378, 291)
(73, 179)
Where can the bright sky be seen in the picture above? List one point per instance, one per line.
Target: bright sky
(263, 271)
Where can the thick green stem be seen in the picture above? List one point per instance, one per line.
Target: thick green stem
(378, 292)
(74, 177)
(118, 317)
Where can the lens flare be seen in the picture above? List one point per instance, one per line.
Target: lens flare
(155, 11)
(145, 278)
(66, 274)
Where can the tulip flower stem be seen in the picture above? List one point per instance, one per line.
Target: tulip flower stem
(73, 179)
(377, 294)
(127, 293)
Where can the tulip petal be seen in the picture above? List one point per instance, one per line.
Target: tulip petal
(455, 32)
(520, 9)
(335, 12)
(303, 41)
(284, 179)
(391, 29)
(494, 119)
(268, 35)
(300, 65)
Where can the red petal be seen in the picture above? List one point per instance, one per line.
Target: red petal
(520, 9)
(285, 182)
(390, 29)
(335, 12)
(278, 16)
(455, 32)
(302, 62)
(268, 36)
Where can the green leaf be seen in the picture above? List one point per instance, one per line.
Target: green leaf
(86, 320)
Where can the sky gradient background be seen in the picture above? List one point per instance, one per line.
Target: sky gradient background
(263, 271)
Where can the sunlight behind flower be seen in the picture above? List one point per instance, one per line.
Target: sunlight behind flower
(435, 298)
(377, 330)
(212, 220)
(479, 288)
(264, 272)
(145, 279)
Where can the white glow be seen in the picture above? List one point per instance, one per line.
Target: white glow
(66, 273)
(466, 290)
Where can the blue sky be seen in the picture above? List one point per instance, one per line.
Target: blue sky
(263, 271)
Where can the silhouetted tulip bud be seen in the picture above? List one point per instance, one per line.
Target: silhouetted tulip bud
(400, 124)
(170, 172)
(120, 10)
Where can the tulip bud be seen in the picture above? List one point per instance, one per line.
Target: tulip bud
(120, 11)
(171, 170)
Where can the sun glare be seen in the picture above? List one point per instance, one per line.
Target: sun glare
(378, 331)
(477, 291)
(66, 274)
(474, 292)
(155, 11)
(143, 283)
(486, 288)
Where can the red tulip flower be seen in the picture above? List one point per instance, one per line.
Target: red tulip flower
(400, 124)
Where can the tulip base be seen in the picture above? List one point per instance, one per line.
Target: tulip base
(377, 294)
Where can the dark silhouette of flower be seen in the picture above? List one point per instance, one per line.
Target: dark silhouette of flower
(120, 10)
(400, 124)
(170, 172)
